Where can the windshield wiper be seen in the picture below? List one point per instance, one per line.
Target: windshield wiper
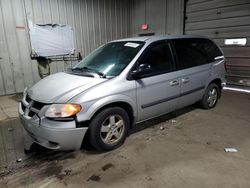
(90, 70)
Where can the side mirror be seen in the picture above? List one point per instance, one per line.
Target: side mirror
(141, 70)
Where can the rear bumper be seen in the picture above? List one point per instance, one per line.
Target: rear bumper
(52, 134)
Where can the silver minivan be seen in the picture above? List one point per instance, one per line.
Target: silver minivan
(120, 84)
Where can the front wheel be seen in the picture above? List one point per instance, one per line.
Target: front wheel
(211, 96)
(108, 129)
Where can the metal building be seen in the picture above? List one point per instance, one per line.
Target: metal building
(162, 17)
(97, 21)
(94, 22)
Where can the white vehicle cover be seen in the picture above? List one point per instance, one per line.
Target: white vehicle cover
(51, 40)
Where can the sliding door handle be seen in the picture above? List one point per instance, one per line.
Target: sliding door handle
(174, 83)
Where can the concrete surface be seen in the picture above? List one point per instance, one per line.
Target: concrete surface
(186, 153)
(8, 106)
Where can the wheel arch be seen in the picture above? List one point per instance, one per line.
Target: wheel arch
(105, 103)
(124, 105)
(123, 101)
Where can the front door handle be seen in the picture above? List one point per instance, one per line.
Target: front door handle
(185, 80)
(174, 83)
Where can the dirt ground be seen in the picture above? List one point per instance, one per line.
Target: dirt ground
(183, 149)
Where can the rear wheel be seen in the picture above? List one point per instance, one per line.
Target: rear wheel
(211, 96)
(108, 129)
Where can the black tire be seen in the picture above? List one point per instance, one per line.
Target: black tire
(205, 100)
(96, 124)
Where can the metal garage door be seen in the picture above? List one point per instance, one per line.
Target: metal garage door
(221, 20)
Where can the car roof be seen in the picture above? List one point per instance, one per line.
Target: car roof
(158, 37)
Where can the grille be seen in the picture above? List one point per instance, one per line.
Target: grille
(31, 107)
(23, 107)
(38, 105)
(31, 113)
(28, 99)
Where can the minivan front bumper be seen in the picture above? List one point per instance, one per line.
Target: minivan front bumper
(51, 134)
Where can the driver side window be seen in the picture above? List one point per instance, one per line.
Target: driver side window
(159, 58)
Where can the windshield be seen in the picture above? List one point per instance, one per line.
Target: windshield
(110, 59)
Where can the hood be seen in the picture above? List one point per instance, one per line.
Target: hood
(61, 87)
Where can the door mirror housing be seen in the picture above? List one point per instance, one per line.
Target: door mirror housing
(141, 70)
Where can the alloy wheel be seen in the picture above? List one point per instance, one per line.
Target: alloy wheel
(112, 129)
(212, 97)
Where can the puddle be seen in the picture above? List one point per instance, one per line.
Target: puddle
(107, 166)
(12, 156)
(94, 177)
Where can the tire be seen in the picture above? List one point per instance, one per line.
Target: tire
(108, 129)
(210, 97)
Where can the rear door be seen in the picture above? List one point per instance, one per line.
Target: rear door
(195, 65)
(158, 91)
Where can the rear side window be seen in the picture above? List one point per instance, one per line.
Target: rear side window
(195, 51)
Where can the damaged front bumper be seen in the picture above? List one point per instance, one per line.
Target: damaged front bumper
(56, 135)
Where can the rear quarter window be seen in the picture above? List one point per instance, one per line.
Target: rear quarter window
(193, 52)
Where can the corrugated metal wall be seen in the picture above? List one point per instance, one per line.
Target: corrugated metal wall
(220, 20)
(162, 16)
(94, 22)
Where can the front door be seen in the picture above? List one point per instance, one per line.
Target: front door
(157, 91)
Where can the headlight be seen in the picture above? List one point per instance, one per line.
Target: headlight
(62, 110)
